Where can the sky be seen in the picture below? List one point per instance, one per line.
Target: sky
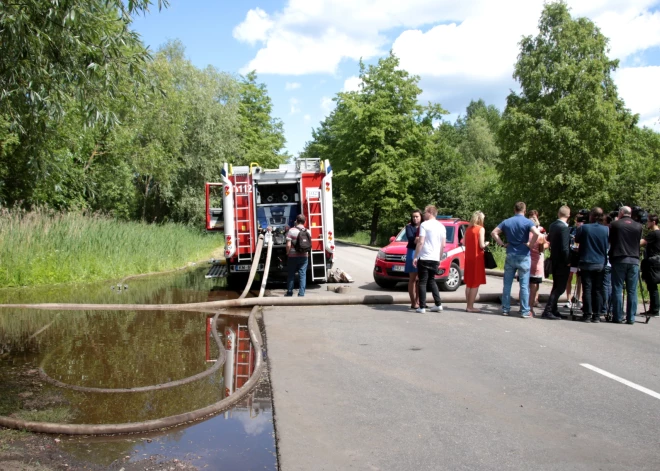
(306, 51)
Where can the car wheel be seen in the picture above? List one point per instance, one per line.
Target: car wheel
(386, 284)
(453, 281)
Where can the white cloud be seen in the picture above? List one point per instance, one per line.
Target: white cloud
(293, 103)
(474, 37)
(327, 105)
(254, 28)
(307, 118)
(638, 86)
(352, 84)
(292, 85)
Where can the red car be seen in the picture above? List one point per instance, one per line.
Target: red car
(391, 259)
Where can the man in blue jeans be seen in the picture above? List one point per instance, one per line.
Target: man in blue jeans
(296, 262)
(516, 229)
(625, 237)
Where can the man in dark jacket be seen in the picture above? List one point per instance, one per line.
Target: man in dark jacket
(558, 236)
(593, 242)
(652, 262)
(625, 235)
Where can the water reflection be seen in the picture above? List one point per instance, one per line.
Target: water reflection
(186, 286)
(119, 349)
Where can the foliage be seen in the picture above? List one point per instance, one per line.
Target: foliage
(56, 57)
(262, 136)
(563, 135)
(376, 140)
(46, 247)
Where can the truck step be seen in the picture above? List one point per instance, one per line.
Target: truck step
(217, 271)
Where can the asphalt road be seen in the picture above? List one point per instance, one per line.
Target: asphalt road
(384, 388)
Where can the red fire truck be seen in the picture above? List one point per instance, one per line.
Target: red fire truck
(250, 200)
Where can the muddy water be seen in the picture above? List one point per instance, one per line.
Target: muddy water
(123, 349)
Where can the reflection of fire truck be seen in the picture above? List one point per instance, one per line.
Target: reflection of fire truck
(240, 359)
(250, 199)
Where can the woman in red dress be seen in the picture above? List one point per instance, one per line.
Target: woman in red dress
(475, 269)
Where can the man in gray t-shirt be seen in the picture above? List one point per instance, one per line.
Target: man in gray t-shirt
(296, 262)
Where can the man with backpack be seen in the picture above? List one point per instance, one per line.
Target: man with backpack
(298, 246)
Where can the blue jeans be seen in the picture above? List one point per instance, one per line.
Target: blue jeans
(624, 272)
(606, 304)
(521, 263)
(296, 264)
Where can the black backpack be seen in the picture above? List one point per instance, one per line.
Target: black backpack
(303, 242)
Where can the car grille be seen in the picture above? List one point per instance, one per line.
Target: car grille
(395, 258)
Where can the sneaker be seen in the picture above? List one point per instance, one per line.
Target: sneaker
(525, 316)
(288, 294)
(505, 313)
(420, 310)
(568, 305)
(550, 317)
(630, 322)
(436, 308)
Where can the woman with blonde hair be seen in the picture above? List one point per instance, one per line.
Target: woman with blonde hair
(475, 268)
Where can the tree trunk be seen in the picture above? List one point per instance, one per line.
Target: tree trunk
(374, 224)
(146, 197)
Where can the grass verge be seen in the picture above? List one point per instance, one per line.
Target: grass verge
(42, 247)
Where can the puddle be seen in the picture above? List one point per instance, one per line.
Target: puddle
(185, 286)
(125, 349)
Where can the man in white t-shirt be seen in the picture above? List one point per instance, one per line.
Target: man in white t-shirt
(430, 246)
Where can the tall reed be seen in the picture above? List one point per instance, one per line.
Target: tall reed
(46, 247)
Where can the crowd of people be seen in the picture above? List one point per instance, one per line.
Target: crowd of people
(603, 255)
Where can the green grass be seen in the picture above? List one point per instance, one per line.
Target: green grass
(40, 247)
(360, 237)
(57, 415)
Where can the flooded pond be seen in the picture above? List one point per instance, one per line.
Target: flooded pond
(129, 349)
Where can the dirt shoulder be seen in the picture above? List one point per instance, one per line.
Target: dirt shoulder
(24, 451)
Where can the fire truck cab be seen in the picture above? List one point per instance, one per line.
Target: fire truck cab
(252, 200)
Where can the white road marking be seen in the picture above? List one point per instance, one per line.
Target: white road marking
(622, 381)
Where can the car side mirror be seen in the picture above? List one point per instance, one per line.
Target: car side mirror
(392, 239)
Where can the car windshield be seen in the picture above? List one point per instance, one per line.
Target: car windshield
(450, 235)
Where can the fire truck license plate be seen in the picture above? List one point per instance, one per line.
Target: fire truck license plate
(398, 268)
(242, 268)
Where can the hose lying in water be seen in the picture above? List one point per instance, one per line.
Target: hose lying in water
(156, 387)
(335, 300)
(135, 427)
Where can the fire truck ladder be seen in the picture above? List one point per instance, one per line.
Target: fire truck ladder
(243, 207)
(242, 336)
(317, 256)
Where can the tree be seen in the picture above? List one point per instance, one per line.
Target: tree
(55, 55)
(262, 136)
(376, 139)
(562, 135)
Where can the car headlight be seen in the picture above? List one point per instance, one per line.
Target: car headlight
(444, 256)
(381, 255)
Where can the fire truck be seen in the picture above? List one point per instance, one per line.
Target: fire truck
(252, 200)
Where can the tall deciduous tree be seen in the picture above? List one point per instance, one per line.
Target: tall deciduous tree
(562, 135)
(54, 56)
(376, 139)
(262, 136)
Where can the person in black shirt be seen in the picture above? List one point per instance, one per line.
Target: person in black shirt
(412, 231)
(625, 235)
(652, 244)
(559, 238)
